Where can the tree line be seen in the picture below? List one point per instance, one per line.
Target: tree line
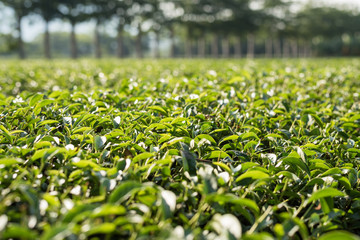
(202, 28)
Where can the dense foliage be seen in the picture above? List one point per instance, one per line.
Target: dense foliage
(180, 149)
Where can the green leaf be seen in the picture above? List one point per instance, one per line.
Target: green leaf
(52, 200)
(354, 150)
(188, 160)
(7, 162)
(156, 127)
(124, 191)
(18, 232)
(244, 202)
(47, 152)
(82, 130)
(230, 198)
(158, 109)
(331, 171)
(6, 133)
(223, 166)
(107, 210)
(296, 162)
(42, 144)
(274, 135)
(207, 137)
(179, 120)
(318, 120)
(85, 164)
(47, 122)
(326, 192)
(229, 138)
(57, 232)
(168, 203)
(78, 213)
(252, 175)
(104, 228)
(248, 135)
(43, 103)
(35, 99)
(172, 142)
(99, 142)
(218, 155)
(143, 156)
(337, 235)
(83, 118)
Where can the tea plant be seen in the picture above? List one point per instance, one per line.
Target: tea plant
(180, 149)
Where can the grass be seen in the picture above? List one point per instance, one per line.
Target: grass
(196, 149)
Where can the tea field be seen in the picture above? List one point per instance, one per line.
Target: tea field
(180, 149)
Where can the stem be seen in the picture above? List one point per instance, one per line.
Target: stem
(195, 218)
(303, 204)
(285, 186)
(260, 219)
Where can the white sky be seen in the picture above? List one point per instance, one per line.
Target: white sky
(33, 26)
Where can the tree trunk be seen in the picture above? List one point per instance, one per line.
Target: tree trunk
(269, 48)
(225, 45)
(237, 47)
(301, 51)
(250, 45)
(172, 38)
(277, 48)
(139, 50)
(98, 53)
(214, 47)
(308, 49)
(157, 45)
(188, 47)
(286, 49)
(47, 50)
(294, 48)
(119, 50)
(202, 47)
(21, 50)
(74, 53)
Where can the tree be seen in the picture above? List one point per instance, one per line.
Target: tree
(102, 11)
(323, 24)
(75, 12)
(7, 43)
(199, 18)
(170, 19)
(158, 21)
(141, 13)
(275, 15)
(237, 18)
(48, 10)
(21, 9)
(118, 11)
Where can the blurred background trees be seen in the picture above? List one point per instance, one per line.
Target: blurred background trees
(173, 28)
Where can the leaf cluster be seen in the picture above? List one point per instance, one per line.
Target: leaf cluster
(186, 149)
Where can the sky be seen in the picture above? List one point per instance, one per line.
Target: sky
(33, 26)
